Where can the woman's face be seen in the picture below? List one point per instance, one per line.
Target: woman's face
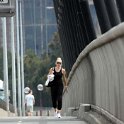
(58, 64)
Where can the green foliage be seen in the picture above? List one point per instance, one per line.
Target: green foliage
(36, 69)
(55, 49)
(55, 46)
(31, 65)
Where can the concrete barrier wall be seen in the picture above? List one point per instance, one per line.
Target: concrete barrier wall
(4, 113)
(97, 77)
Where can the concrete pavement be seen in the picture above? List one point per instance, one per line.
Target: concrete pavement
(41, 120)
(44, 119)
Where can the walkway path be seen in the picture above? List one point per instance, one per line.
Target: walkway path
(41, 120)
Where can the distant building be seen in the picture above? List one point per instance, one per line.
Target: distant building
(39, 24)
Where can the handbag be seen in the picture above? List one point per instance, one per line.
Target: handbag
(50, 80)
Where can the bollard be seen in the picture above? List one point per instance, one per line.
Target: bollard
(36, 113)
(40, 112)
(84, 108)
(48, 113)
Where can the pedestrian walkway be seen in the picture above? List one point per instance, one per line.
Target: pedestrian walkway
(41, 120)
(44, 119)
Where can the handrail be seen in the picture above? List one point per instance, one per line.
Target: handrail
(106, 114)
(107, 37)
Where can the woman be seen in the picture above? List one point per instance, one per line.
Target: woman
(57, 88)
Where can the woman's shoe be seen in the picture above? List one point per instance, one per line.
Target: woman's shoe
(58, 115)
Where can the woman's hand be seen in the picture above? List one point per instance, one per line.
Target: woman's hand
(65, 88)
(51, 71)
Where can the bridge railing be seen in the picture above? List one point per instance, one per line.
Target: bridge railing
(97, 77)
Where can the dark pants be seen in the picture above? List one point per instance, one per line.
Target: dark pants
(56, 94)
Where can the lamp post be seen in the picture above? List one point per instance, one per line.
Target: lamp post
(21, 58)
(40, 88)
(18, 59)
(26, 90)
(13, 66)
(5, 63)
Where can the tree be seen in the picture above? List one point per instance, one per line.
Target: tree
(31, 65)
(36, 69)
(55, 48)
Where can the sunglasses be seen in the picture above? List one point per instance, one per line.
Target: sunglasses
(59, 63)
